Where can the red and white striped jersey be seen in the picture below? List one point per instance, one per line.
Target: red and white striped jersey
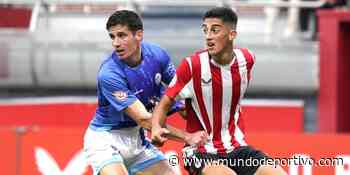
(215, 92)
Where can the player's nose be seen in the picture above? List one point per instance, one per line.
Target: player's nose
(116, 42)
(208, 35)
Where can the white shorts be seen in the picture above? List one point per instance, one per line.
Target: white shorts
(120, 146)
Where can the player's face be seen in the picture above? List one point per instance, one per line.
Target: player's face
(218, 36)
(125, 42)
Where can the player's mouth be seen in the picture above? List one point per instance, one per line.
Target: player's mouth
(210, 45)
(120, 52)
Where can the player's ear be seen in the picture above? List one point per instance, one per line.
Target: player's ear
(139, 35)
(232, 34)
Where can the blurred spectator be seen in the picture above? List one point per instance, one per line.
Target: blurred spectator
(292, 21)
(272, 14)
(305, 17)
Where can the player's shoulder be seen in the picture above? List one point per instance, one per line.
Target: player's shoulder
(192, 60)
(152, 49)
(196, 54)
(247, 54)
(150, 45)
(154, 52)
(110, 68)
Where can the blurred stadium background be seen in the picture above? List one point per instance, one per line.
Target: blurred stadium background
(50, 51)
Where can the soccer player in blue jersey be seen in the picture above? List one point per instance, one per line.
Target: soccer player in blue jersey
(130, 81)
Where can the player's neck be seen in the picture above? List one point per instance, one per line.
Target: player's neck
(134, 59)
(225, 57)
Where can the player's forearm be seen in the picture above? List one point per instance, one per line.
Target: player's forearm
(159, 120)
(139, 114)
(160, 111)
(177, 134)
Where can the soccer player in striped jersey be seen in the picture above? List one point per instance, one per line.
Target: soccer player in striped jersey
(214, 81)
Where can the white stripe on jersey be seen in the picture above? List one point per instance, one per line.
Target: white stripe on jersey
(207, 95)
(239, 136)
(226, 107)
(188, 59)
(207, 87)
(242, 63)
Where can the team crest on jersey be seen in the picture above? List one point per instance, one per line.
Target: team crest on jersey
(158, 78)
(120, 95)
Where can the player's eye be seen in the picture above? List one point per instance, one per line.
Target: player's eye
(205, 30)
(215, 30)
(122, 35)
(111, 36)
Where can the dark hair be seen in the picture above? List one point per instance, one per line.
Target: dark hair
(126, 18)
(227, 15)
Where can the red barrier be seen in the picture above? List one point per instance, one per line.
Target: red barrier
(50, 114)
(8, 151)
(53, 150)
(274, 118)
(55, 132)
(15, 17)
(267, 117)
(333, 109)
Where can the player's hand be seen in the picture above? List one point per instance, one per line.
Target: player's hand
(158, 136)
(197, 138)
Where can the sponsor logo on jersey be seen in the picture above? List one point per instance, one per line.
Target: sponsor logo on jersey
(206, 82)
(120, 95)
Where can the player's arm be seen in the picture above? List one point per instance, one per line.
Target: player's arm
(139, 114)
(161, 132)
(115, 88)
(142, 117)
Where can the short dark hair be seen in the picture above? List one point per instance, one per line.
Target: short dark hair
(227, 15)
(126, 18)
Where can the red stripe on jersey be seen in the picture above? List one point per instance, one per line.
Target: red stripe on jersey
(217, 89)
(192, 122)
(183, 76)
(197, 85)
(236, 93)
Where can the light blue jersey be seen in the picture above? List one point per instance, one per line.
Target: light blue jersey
(120, 85)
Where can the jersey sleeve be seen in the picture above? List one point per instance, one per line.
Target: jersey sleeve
(168, 68)
(250, 57)
(180, 80)
(168, 72)
(116, 90)
(252, 65)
